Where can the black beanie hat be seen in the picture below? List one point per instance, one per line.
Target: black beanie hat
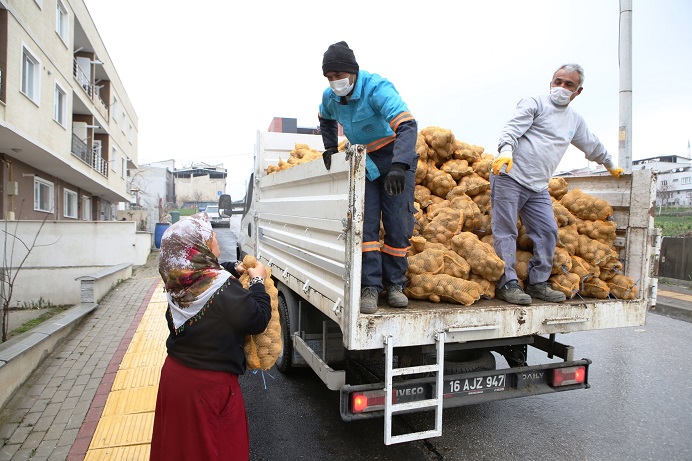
(339, 58)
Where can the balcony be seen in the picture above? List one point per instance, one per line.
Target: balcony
(93, 91)
(90, 156)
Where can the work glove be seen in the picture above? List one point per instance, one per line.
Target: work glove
(505, 158)
(617, 172)
(395, 181)
(327, 156)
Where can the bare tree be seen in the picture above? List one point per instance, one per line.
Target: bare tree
(9, 272)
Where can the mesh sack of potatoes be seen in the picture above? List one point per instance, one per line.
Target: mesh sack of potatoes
(421, 195)
(524, 242)
(441, 143)
(466, 151)
(471, 214)
(610, 267)
(622, 287)
(585, 206)
(426, 262)
(262, 350)
(562, 215)
(301, 153)
(568, 238)
(422, 148)
(439, 182)
(444, 224)
(485, 227)
(603, 231)
(473, 184)
(583, 268)
(483, 166)
(480, 256)
(557, 187)
(419, 244)
(594, 287)
(443, 287)
(437, 204)
(562, 261)
(482, 201)
(565, 282)
(522, 265)
(487, 287)
(592, 250)
(421, 171)
(456, 168)
(455, 265)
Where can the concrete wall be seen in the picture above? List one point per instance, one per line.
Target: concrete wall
(63, 251)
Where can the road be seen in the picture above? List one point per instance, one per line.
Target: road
(638, 408)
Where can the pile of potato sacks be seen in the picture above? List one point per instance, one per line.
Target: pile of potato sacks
(451, 257)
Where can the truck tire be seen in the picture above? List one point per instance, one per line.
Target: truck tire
(283, 362)
(457, 362)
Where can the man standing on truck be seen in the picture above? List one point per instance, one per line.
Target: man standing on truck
(372, 113)
(530, 148)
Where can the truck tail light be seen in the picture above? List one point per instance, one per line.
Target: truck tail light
(567, 376)
(365, 401)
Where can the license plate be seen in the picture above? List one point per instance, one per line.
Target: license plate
(471, 386)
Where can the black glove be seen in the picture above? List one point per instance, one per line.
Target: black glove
(327, 156)
(395, 181)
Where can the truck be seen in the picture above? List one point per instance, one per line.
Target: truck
(305, 224)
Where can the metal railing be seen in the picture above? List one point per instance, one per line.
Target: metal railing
(91, 157)
(82, 78)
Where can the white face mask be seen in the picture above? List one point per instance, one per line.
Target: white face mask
(560, 96)
(341, 87)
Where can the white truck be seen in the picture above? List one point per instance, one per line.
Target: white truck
(305, 223)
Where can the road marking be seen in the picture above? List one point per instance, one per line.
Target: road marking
(672, 294)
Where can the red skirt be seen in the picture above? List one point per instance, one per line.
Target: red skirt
(200, 415)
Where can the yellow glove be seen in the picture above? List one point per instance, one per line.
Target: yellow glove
(617, 172)
(505, 158)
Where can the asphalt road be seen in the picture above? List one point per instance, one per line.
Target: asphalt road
(638, 408)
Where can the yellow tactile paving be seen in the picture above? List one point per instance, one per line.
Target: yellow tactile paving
(672, 294)
(124, 429)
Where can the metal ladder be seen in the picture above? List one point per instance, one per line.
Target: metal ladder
(392, 408)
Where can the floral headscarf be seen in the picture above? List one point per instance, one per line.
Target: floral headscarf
(190, 271)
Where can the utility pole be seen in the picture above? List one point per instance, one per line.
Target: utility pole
(625, 61)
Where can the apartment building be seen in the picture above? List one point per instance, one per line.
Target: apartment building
(68, 131)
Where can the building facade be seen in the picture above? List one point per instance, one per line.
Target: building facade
(674, 179)
(68, 131)
(199, 185)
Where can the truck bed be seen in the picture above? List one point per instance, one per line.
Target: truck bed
(308, 227)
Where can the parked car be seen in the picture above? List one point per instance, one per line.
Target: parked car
(217, 220)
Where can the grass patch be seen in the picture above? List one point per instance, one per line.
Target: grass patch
(674, 226)
(26, 326)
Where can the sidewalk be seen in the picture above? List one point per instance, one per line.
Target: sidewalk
(674, 299)
(54, 414)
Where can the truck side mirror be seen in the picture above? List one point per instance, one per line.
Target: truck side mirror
(225, 202)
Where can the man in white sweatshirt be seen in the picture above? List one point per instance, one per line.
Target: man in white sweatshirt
(530, 148)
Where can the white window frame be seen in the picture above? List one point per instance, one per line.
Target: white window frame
(71, 204)
(62, 21)
(686, 180)
(39, 184)
(60, 104)
(115, 109)
(130, 133)
(30, 75)
(122, 124)
(86, 208)
(122, 167)
(114, 159)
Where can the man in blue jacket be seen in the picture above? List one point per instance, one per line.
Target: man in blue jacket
(372, 113)
(531, 146)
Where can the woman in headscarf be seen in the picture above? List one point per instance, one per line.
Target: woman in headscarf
(200, 411)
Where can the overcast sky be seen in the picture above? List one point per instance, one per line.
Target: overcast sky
(205, 76)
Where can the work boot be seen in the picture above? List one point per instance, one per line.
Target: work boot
(512, 293)
(545, 292)
(396, 296)
(368, 300)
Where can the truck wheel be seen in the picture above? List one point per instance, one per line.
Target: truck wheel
(283, 362)
(457, 362)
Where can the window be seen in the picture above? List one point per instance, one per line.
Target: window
(114, 109)
(70, 204)
(86, 209)
(114, 158)
(60, 105)
(30, 75)
(130, 133)
(62, 21)
(39, 3)
(686, 180)
(122, 123)
(43, 195)
(122, 167)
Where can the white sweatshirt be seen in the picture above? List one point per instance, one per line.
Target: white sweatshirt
(539, 134)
